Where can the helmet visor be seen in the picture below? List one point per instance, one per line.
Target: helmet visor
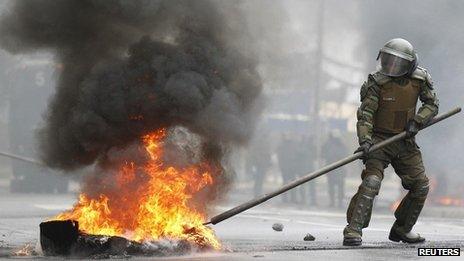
(392, 65)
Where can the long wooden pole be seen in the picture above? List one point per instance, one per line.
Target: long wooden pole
(247, 205)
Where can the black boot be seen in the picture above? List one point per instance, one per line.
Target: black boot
(351, 237)
(398, 234)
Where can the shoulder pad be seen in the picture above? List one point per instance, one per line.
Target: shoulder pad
(364, 89)
(370, 84)
(379, 78)
(422, 75)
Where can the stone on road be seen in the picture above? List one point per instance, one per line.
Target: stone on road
(309, 237)
(278, 227)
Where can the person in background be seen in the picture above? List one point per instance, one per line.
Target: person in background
(288, 157)
(305, 163)
(258, 161)
(332, 150)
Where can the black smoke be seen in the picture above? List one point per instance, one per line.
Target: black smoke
(131, 67)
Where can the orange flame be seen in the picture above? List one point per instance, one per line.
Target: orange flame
(450, 201)
(395, 205)
(158, 207)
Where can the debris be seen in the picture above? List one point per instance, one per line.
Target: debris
(26, 250)
(63, 238)
(278, 227)
(58, 237)
(309, 237)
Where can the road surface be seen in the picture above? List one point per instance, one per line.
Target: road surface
(249, 236)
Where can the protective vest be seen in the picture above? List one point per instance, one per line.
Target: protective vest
(397, 105)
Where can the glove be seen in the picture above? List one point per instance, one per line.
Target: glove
(364, 148)
(412, 128)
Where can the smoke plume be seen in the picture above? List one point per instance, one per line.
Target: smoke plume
(131, 67)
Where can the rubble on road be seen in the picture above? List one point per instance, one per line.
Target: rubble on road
(278, 227)
(63, 238)
(309, 237)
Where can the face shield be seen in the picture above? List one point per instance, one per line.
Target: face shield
(393, 65)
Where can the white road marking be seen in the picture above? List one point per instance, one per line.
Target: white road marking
(53, 207)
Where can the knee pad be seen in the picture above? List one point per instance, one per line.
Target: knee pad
(420, 189)
(372, 184)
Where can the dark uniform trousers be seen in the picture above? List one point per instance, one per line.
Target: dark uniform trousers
(406, 159)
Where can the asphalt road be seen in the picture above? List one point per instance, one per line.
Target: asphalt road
(249, 236)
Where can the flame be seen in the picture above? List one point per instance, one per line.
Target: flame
(450, 201)
(26, 250)
(153, 209)
(395, 205)
(441, 200)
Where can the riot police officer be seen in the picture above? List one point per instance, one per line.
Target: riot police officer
(388, 106)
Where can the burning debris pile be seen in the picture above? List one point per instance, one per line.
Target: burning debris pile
(147, 200)
(64, 238)
(152, 94)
